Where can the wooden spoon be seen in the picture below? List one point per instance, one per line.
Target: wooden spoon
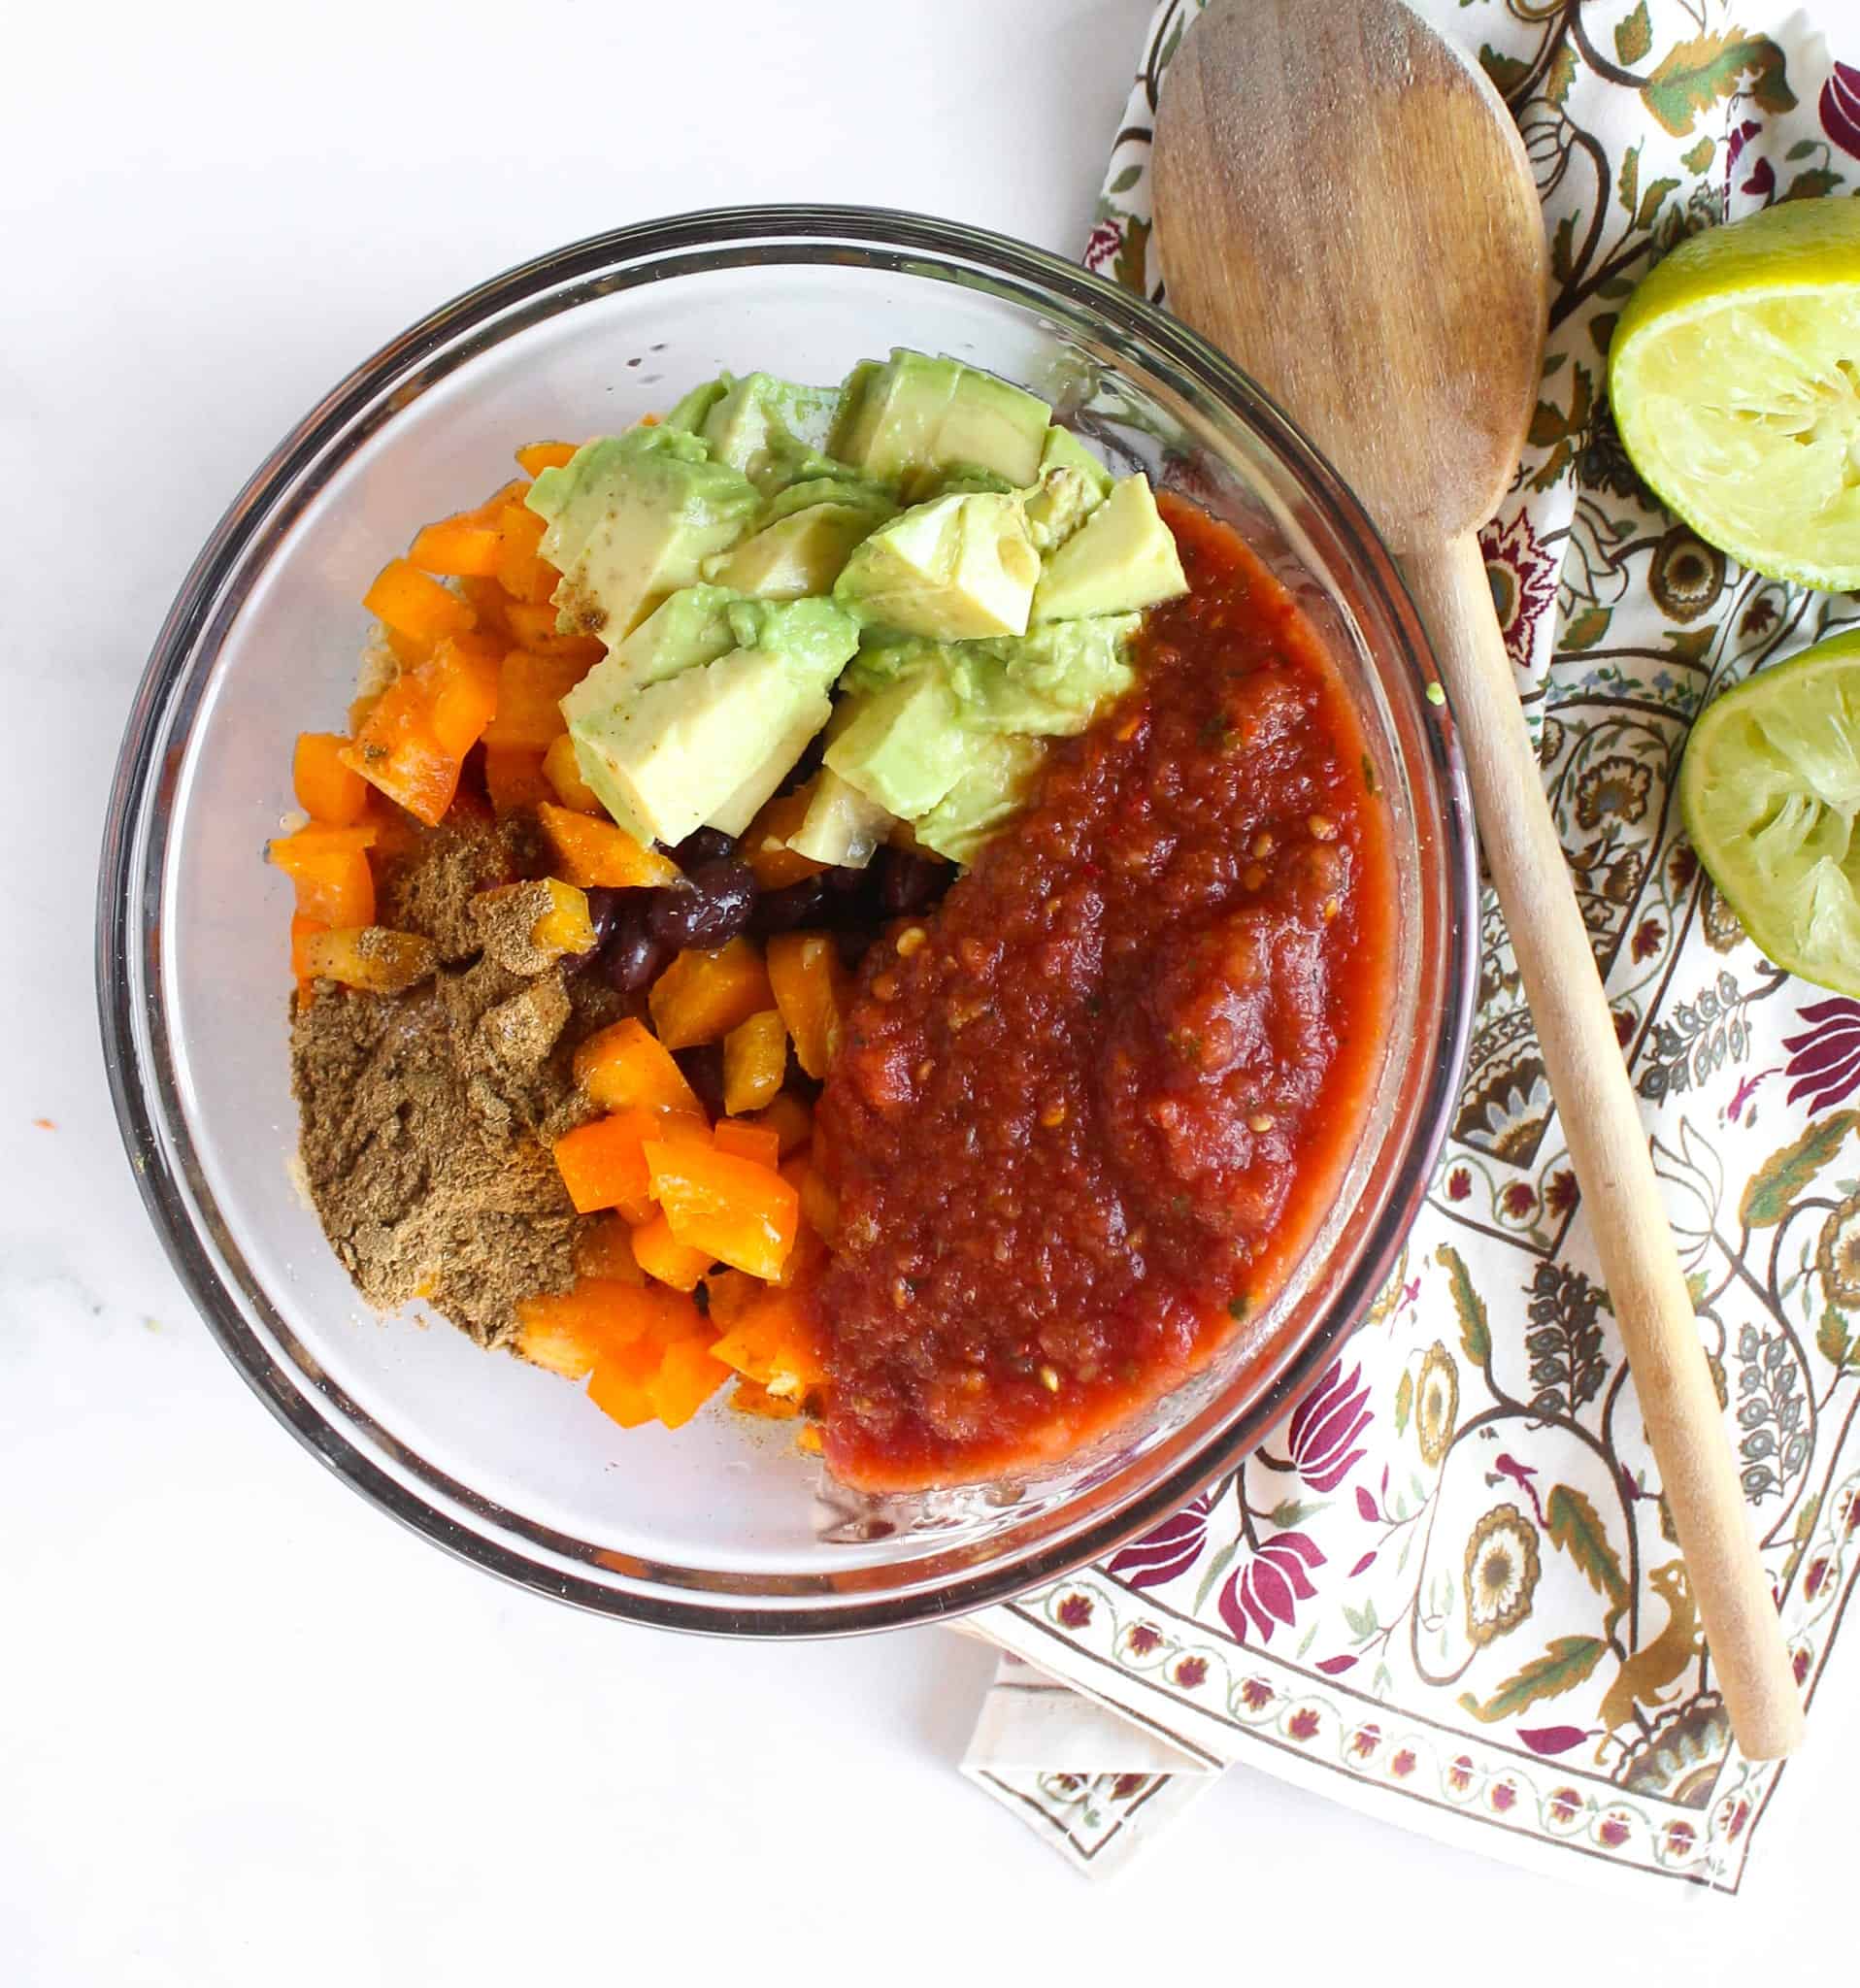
(1343, 204)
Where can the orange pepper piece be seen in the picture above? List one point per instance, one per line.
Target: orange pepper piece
(688, 1375)
(529, 699)
(591, 852)
(513, 778)
(563, 772)
(660, 1254)
(761, 1143)
(627, 1065)
(603, 1164)
(413, 742)
(413, 603)
(522, 571)
(329, 869)
(532, 626)
(703, 995)
(537, 456)
(325, 788)
(813, 991)
(755, 1060)
(302, 931)
(490, 604)
(372, 957)
(764, 847)
(771, 1341)
(751, 1398)
(741, 1214)
(458, 547)
(791, 1120)
(603, 1248)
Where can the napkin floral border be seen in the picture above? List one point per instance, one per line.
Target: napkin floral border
(1589, 1724)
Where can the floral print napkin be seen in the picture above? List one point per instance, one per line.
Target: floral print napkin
(1448, 1590)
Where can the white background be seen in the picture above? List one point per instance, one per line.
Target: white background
(249, 1731)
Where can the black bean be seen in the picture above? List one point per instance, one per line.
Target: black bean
(794, 906)
(703, 846)
(909, 883)
(713, 907)
(632, 959)
(853, 941)
(604, 907)
(703, 1069)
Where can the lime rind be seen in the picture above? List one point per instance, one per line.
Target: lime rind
(1770, 795)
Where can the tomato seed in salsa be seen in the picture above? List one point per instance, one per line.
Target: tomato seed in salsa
(1091, 1107)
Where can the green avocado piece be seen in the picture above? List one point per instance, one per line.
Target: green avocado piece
(844, 487)
(799, 554)
(994, 786)
(842, 826)
(904, 746)
(1052, 682)
(686, 629)
(1063, 451)
(709, 743)
(758, 421)
(689, 415)
(1058, 506)
(1121, 558)
(916, 417)
(631, 517)
(957, 567)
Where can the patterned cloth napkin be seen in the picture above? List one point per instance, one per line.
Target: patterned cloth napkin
(1447, 1590)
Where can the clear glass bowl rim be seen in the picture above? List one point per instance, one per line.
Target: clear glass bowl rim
(129, 936)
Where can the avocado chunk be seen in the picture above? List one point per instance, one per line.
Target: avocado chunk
(1121, 558)
(758, 421)
(1063, 451)
(688, 415)
(994, 786)
(1052, 682)
(709, 745)
(957, 567)
(904, 746)
(686, 629)
(1058, 506)
(842, 487)
(799, 554)
(631, 517)
(924, 418)
(842, 826)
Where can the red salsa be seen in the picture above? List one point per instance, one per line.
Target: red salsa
(1090, 1111)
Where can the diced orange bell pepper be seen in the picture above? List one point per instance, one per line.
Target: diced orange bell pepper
(688, 1375)
(563, 772)
(813, 990)
(756, 1060)
(820, 1206)
(515, 779)
(764, 847)
(491, 605)
(371, 957)
(522, 571)
(702, 996)
(590, 853)
(414, 744)
(329, 869)
(459, 546)
(741, 1214)
(603, 1164)
(617, 1386)
(532, 626)
(566, 926)
(552, 1333)
(771, 1341)
(627, 1065)
(603, 1248)
(571, 1330)
(761, 1143)
(302, 931)
(660, 1254)
(790, 1118)
(529, 699)
(407, 650)
(325, 788)
(751, 1398)
(416, 605)
(537, 456)
(730, 1293)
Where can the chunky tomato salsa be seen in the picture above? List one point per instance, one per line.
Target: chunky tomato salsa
(1091, 1109)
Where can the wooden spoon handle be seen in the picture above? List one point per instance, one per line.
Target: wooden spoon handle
(1608, 1150)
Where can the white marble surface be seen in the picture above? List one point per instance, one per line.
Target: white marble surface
(249, 1731)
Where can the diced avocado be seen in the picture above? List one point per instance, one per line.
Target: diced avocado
(1121, 558)
(844, 488)
(995, 785)
(711, 743)
(797, 555)
(916, 415)
(687, 628)
(689, 415)
(904, 747)
(759, 420)
(631, 517)
(842, 826)
(1058, 506)
(1051, 681)
(1063, 451)
(955, 568)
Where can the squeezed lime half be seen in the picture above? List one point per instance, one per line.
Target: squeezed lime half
(1770, 793)
(1733, 372)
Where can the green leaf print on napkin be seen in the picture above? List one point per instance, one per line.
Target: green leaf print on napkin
(1785, 1175)
(1698, 73)
(1561, 1667)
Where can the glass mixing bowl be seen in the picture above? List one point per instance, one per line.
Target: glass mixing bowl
(721, 1526)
